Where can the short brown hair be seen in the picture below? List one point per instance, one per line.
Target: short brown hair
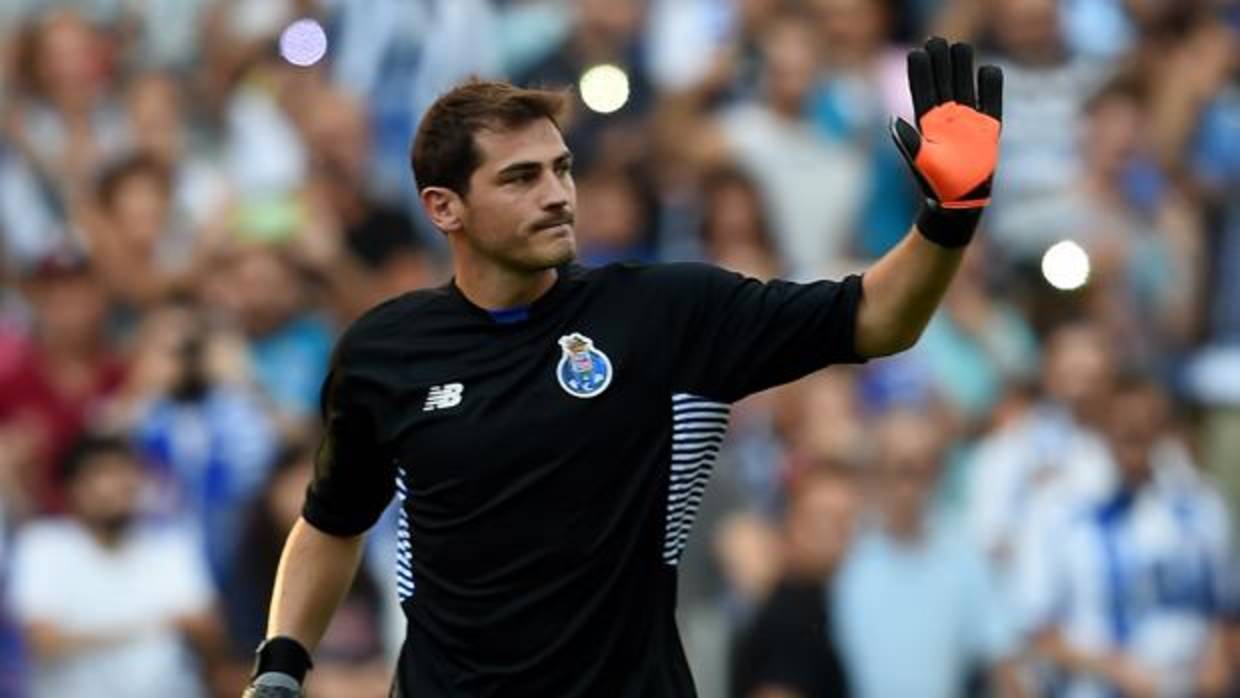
(116, 174)
(444, 151)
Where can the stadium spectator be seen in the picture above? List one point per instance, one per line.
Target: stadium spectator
(1129, 593)
(66, 119)
(143, 251)
(916, 607)
(736, 228)
(109, 605)
(1047, 87)
(204, 430)
(350, 662)
(860, 88)
(1010, 465)
(289, 340)
(812, 184)
(54, 378)
(164, 129)
(787, 649)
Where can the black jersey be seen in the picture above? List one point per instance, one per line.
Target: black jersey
(549, 469)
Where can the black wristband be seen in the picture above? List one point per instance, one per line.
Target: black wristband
(952, 228)
(284, 655)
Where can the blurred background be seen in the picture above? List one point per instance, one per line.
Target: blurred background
(1037, 500)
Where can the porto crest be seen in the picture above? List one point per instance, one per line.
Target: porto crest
(584, 370)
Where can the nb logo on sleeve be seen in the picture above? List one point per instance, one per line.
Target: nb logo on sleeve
(441, 397)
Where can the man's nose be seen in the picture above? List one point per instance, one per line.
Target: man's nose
(555, 193)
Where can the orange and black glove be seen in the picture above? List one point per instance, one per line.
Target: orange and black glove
(955, 146)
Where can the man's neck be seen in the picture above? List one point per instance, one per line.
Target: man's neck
(108, 538)
(906, 528)
(495, 288)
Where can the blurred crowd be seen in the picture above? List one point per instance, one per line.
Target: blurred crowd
(1037, 500)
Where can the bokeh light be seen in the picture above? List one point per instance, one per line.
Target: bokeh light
(1066, 265)
(303, 42)
(605, 88)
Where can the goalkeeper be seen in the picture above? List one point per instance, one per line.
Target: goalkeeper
(548, 430)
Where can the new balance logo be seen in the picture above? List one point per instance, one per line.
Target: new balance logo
(441, 397)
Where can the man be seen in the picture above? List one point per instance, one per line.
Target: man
(1129, 595)
(52, 379)
(787, 651)
(916, 608)
(549, 429)
(1050, 446)
(104, 600)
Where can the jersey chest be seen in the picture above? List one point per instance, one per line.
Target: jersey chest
(568, 405)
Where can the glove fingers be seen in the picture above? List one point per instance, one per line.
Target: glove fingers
(907, 138)
(941, 64)
(908, 142)
(921, 83)
(962, 75)
(990, 91)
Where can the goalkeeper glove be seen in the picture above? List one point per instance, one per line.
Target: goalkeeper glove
(955, 146)
(279, 669)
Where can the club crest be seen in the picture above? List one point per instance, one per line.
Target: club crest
(583, 371)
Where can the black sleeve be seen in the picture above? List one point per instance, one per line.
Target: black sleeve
(354, 476)
(736, 335)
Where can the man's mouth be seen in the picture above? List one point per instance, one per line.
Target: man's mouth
(550, 225)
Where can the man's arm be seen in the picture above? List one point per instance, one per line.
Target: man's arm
(1214, 673)
(48, 641)
(901, 292)
(1005, 678)
(316, 571)
(952, 153)
(1120, 670)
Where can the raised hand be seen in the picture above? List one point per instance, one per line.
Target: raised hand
(954, 148)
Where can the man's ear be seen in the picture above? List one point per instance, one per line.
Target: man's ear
(444, 207)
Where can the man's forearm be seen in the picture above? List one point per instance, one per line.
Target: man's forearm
(315, 572)
(901, 292)
(48, 641)
(952, 152)
(1007, 679)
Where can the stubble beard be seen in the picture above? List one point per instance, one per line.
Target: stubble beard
(534, 258)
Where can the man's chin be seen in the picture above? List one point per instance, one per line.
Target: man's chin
(561, 251)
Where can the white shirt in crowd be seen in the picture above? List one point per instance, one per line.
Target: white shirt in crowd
(62, 576)
(1046, 450)
(1147, 574)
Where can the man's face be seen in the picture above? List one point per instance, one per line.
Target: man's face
(820, 522)
(105, 493)
(1135, 420)
(519, 212)
(1078, 369)
(791, 65)
(267, 289)
(141, 210)
(908, 463)
(852, 28)
(71, 308)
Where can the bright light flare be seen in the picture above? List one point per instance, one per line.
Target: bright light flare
(303, 42)
(1066, 265)
(604, 88)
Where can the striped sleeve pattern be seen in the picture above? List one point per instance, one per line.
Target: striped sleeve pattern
(698, 428)
(404, 551)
